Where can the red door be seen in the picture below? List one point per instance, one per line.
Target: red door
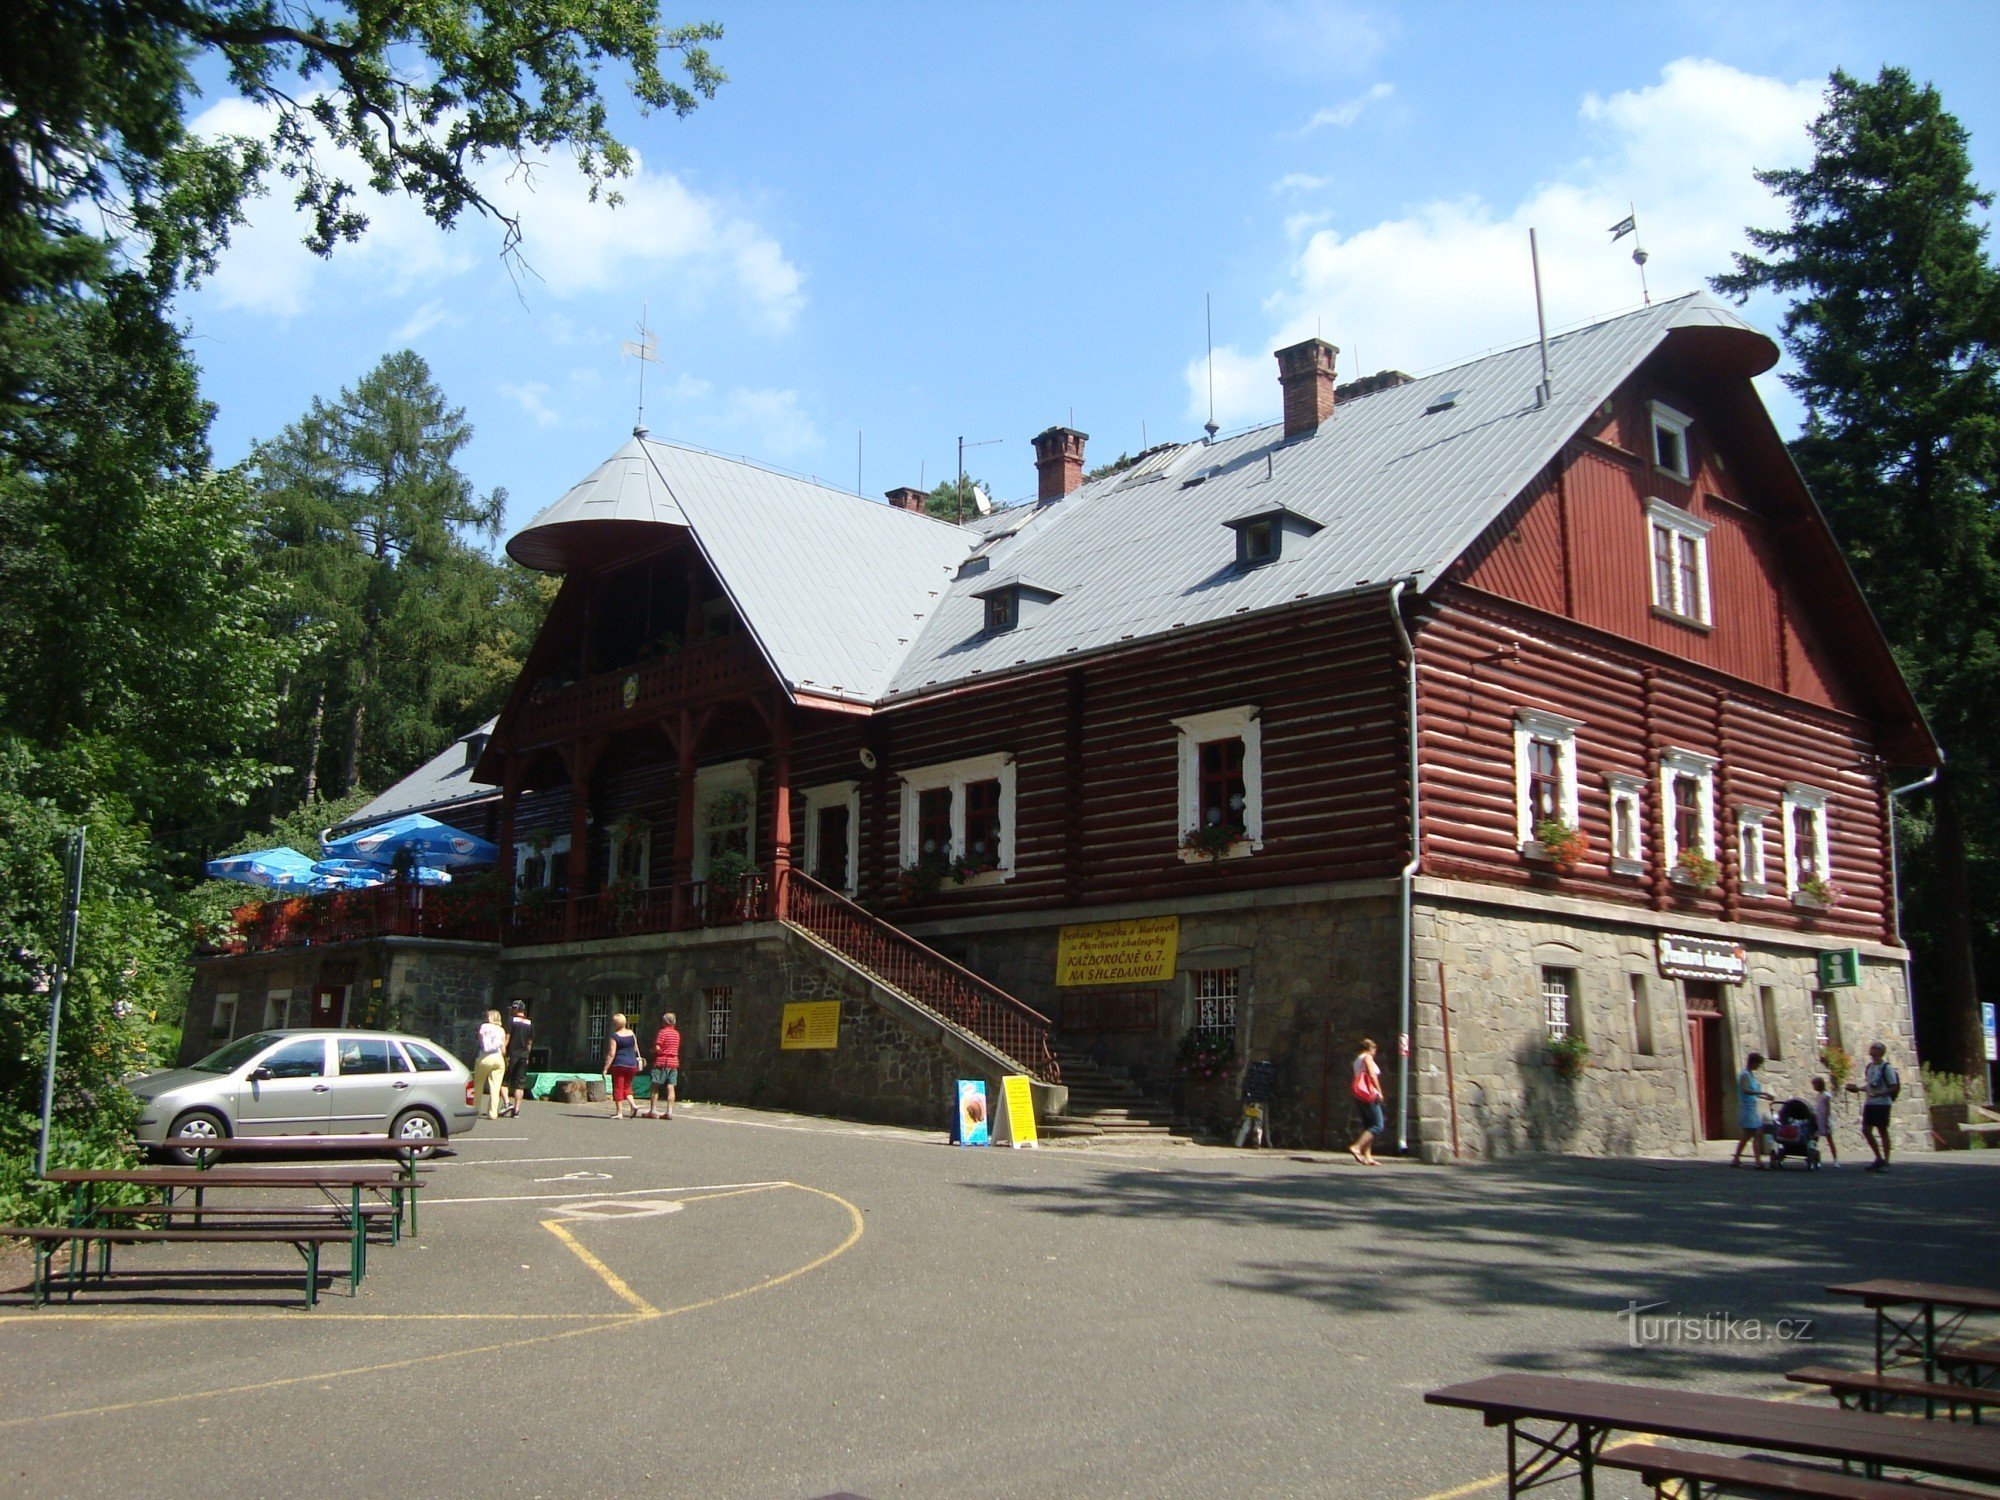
(329, 1005)
(1706, 1073)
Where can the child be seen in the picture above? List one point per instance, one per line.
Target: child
(1822, 1108)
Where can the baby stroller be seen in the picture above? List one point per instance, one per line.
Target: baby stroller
(1795, 1133)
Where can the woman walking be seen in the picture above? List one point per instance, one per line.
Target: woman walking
(1750, 1119)
(1367, 1103)
(489, 1068)
(666, 1068)
(621, 1065)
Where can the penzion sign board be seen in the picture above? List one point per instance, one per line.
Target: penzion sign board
(1686, 957)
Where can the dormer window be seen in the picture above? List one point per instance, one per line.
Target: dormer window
(1670, 441)
(1260, 535)
(1013, 602)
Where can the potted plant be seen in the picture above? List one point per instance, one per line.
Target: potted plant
(923, 879)
(1212, 840)
(1696, 869)
(1839, 1066)
(1568, 1055)
(624, 896)
(1815, 892)
(728, 808)
(1561, 845)
(1206, 1054)
(967, 866)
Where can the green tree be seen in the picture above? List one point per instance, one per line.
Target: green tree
(1894, 322)
(954, 499)
(369, 516)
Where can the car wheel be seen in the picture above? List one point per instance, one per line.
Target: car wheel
(418, 1125)
(196, 1125)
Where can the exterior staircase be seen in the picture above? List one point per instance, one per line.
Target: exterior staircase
(1104, 1103)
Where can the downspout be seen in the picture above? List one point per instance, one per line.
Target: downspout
(1408, 879)
(1896, 888)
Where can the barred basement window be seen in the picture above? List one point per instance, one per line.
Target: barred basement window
(596, 1025)
(719, 998)
(1559, 1002)
(1215, 992)
(1826, 1028)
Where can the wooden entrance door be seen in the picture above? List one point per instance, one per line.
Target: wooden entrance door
(1707, 1073)
(329, 1005)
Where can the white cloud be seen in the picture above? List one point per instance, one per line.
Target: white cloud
(532, 396)
(573, 246)
(431, 315)
(772, 422)
(1315, 37)
(1298, 182)
(1340, 116)
(1451, 278)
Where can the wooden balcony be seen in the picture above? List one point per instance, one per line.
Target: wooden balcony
(704, 672)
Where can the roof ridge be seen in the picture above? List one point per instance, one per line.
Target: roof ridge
(811, 481)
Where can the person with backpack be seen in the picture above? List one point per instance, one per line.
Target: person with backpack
(1881, 1084)
(1367, 1103)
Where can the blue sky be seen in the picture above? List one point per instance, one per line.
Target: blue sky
(913, 223)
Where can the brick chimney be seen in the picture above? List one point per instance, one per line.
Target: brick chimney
(1058, 463)
(1305, 371)
(908, 497)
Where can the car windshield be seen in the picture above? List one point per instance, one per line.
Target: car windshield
(228, 1059)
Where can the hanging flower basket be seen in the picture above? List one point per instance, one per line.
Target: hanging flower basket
(1561, 845)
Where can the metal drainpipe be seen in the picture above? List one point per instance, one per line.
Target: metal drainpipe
(1408, 878)
(1896, 890)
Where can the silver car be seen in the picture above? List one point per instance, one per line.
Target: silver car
(309, 1083)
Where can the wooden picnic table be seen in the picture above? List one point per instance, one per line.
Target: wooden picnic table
(332, 1147)
(1909, 1310)
(1586, 1412)
(390, 1180)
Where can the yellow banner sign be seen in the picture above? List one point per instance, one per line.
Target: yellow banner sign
(811, 1026)
(1136, 952)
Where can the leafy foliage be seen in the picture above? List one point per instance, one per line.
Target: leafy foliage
(1895, 326)
(953, 499)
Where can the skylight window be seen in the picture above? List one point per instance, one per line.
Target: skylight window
(1443, 403)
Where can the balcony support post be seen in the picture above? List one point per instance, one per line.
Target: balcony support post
(686, 735)
(511, 769)
(781, 796)
(581, 757)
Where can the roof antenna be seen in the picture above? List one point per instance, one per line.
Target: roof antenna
(645, 349)
(1208, 307)
(1630, 225)
(857, 463)
(1545, 390)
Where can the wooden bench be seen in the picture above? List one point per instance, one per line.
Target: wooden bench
(46, 1239)
(269, 1215)
(1976, 1360)
(1872, 1392)
(1659, 1466)
(1916, 1316)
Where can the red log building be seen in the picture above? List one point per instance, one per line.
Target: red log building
(1472, 714)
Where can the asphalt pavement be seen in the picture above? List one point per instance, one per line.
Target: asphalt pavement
(739, 1303)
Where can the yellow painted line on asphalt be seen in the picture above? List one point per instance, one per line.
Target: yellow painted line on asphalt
(610, 1277)
(599, 1324)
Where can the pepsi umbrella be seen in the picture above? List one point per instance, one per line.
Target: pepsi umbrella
(359, 874)
(281, 869)
(424, 840)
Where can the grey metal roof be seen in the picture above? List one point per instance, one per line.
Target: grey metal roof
(1400, 492)
(442, 781)
(859, 600)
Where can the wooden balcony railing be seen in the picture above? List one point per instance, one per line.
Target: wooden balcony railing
(470, 915)
(703, 671)
(628, 913)
(928, 977)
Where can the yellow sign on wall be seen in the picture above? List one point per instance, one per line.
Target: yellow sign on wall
(813, 1025)
(1137, 952)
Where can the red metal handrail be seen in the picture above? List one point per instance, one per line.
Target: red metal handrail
(926, 976)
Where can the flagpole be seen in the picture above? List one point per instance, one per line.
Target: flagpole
(1630, 225)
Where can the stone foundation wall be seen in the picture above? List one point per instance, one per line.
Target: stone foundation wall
(1486, 965)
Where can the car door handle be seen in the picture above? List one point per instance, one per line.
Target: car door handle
(399, 1084)
(321, 1088)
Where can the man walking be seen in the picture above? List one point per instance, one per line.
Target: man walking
(1882, 1084)
(666, 1068)
(520, 1037)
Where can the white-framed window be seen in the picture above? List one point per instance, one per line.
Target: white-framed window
(1670, 440)
(1804, 811)
(1628, 845)
(222, 1019)
(541, 863)
(1221, 757)
(277, 1009)
(831, 849)
(1559, 1003)
(1687, 794)
(719, 1001)
(1544, 771)
(1215, 994)
(631, 849)
(725, 814)
(962, 810)
(1826, 1027)
(1679, 554)
(1751, 850)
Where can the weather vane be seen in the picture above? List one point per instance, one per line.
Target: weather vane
(646, 349)
(1630, 225)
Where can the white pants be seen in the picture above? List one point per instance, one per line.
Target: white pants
(487, 1077)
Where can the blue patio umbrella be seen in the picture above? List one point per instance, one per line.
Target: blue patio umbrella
(359, 874)
(425, 840)
(281, 869)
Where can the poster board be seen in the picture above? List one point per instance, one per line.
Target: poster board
(1139, 951)
(969, 1126)
(810, 1026)
(1016, 1125)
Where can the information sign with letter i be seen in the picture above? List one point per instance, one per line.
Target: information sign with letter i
(1017, 1115)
